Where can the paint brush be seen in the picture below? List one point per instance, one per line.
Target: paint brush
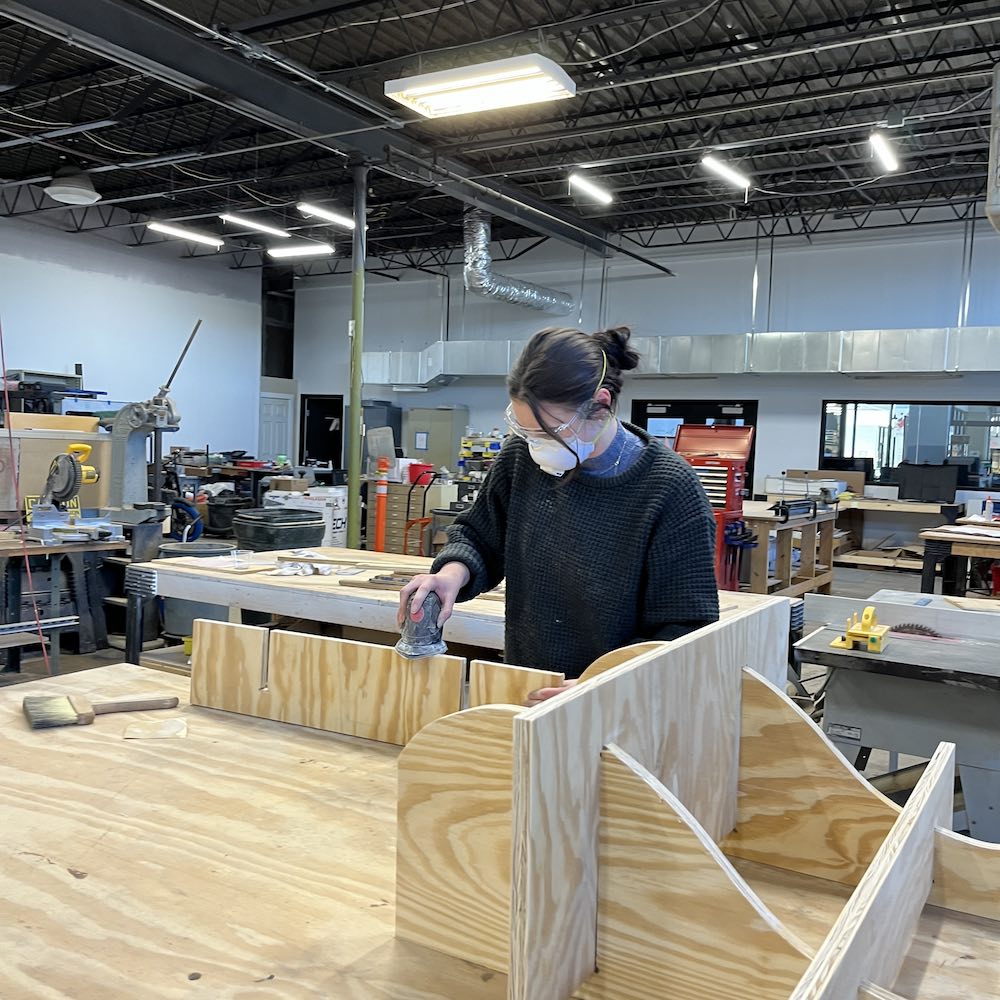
(45, 711)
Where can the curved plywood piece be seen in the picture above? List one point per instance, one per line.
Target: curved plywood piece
(505, 684)
(453, 843)
(616, 657)
(674, 917)
(872, 935)
(803, 807)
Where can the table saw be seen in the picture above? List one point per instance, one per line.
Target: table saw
(917, 692)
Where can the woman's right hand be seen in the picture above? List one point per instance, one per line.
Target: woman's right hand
(447, 583)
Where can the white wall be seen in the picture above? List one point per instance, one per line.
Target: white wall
(906, 278)
(125, 313)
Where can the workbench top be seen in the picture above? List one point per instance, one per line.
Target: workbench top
(13, 547)
(760, 510)
(249, 859)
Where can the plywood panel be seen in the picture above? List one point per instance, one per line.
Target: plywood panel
(869, 941)
(354, 688)
(505, 684)
(674, 918)
(228, 664)
(357, 688)
(249, 861)
(52, 422)
(453, 842)
(801, 806)
(676, 711)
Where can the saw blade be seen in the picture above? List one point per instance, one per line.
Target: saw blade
(913, 628)
(64, 480)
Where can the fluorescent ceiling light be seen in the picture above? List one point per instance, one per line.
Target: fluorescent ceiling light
(726, 172)
(301, 250)
(588, 187)
(257, 227)
(503, 83)
(883, 151)
(186, 234)
(324, 213)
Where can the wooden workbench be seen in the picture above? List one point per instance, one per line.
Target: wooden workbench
(82, 558)
(320, 598)
(852, 520)
(815, 570)
(249, 859)
(478, 623)
(952, 548)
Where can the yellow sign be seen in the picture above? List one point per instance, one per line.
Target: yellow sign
(73, 507)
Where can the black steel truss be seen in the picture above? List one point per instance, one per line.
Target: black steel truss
(790, 89)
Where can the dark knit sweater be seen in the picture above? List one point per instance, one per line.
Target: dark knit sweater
(594, 563)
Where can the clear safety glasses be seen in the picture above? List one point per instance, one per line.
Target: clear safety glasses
(534, 433)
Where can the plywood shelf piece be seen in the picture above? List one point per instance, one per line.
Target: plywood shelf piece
(506, 684)
(453, 841)
(341, 686)
(869, 941)
(674, 918)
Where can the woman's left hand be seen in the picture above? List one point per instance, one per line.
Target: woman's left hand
(543, 694)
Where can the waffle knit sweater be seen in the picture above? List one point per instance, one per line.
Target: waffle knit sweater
(592, 564)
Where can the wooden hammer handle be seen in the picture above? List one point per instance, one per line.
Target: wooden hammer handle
(134, 705)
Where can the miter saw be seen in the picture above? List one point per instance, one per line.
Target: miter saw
(53, 521)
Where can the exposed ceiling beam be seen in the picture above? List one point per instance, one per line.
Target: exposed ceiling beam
(166, 52)
(295, 15)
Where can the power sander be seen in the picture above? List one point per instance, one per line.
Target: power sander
(422, 637)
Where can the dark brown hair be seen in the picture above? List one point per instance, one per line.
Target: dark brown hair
(564, 366)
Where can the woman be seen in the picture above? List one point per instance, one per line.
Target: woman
(604, 536)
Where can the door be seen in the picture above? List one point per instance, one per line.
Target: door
(275, 435)
(321, 430)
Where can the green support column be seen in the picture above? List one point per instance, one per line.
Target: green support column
(357, 346)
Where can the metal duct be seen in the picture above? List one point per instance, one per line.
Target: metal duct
(479, 276)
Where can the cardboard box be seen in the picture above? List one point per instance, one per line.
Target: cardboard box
(289, 483)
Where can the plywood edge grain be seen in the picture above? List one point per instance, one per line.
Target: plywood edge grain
(869, 941)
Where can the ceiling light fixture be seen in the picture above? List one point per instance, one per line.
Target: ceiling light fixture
(884, 151)
(257, 227)
(70, 186)
(337, 218)
(502, 83)
(711, 162)
(588, 187)
(301, 250)
(186, 234)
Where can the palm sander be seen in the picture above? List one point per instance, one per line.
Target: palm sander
(421, 637)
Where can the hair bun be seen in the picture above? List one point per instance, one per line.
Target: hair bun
(614, 343)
